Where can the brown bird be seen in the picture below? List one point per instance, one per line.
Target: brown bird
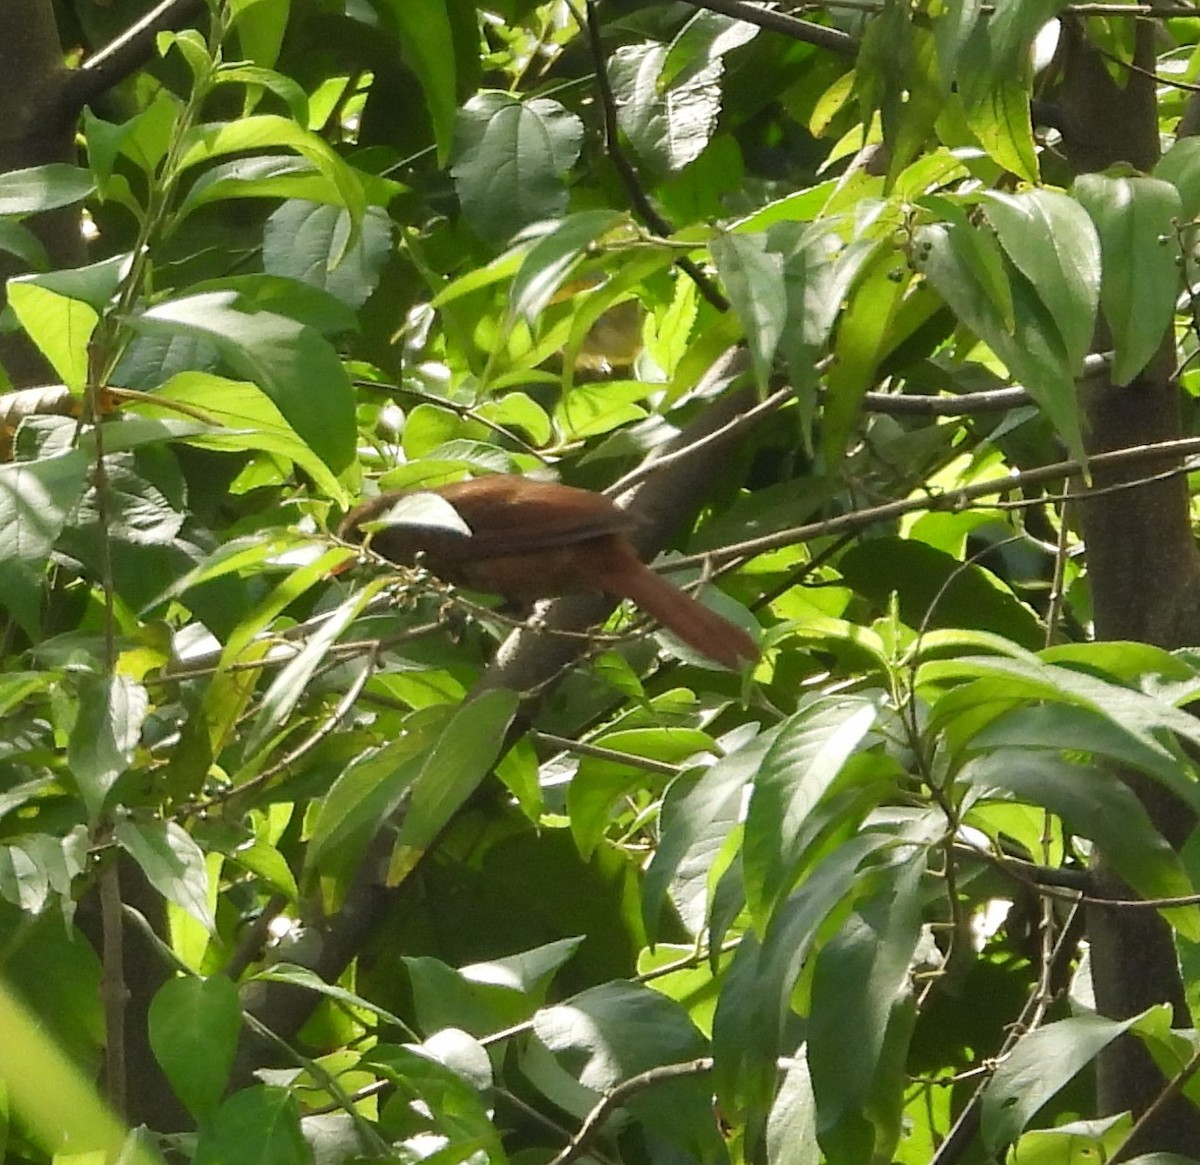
(536, 539)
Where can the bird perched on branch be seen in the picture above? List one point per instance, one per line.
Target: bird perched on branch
(525, 540)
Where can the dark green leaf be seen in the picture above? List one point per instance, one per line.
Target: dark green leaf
(258, 1125)
(668, 126)
(807, 754)
(509, 158)
(172, 862)
(1135, 218)
(107, 730)
(194, 1025)
(1051, 240)
(753, 277)
(39, 188)
(1094, 804)
(860, 976)
(294, 365)
(1037, 1068)
(450, 773)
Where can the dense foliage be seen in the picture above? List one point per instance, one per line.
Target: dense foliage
(304, 857)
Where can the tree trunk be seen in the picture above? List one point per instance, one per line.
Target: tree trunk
(1144, 571)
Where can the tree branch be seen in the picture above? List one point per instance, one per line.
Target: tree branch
(616, 1096)
(126, 54)
(956, 499)
(590, 26)
(820, 35)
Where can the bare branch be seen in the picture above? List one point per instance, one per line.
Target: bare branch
(618, 1095)
(820, 35)
(122, 57)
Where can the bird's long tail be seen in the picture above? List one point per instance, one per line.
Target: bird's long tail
(706, 631)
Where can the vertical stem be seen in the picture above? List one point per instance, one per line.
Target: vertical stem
(112, 988)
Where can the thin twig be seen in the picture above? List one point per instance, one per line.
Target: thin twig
(307, 744)
(1173, 1088)
(583, 748)
(820, 35)
(1157, 11)
(1062, 554)
(957, 499)
(458, 409)
(251, 943)
(726, 432)
(962, 1133)
(616, 1096)
(113, 988)
(898, 404)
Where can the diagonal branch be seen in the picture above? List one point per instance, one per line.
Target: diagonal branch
(820, 35)
(126, 54)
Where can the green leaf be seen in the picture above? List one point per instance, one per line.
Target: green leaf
(368, 792)
(427, 42)
(1146, 717)
(599, 782)
(261, 25)
(1095, 804)
(1060, 727)
(517, 410)
(243, 417)
(954, 29)
(705, 37)
(453, 769)
(753, 278)
(549, 260)
(281, 698)
(193, 1026)
(1041, 1064)
(791, 1137)
(859, 977)
(23, 880)
(24, 244)
(36, 498)
(60, 326)
(298, 976)
(698, 812)
(1052, 242)
(266, 862)
(1136, 220)
(806, 756)
(172, 862)
(1180, 166)
(668, 125)
(587, 410)
(39, 188)
(508, 162)
(204, 142)
(289, 177)
(107, 730)
(1000, 120)
(259, 1125)
(443, 997)
(960, 262)
(864, 337)
(259, 77)
(529, 972)
(935, 589)
(294, 365)
(308, 241)
(755, 1003)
